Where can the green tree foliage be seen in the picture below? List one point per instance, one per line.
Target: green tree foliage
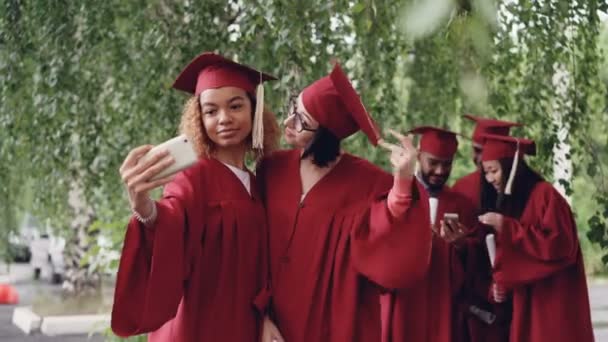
(81, 83)
(537, 63)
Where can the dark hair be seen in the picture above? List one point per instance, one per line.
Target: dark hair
(511, 205)
(324, 147)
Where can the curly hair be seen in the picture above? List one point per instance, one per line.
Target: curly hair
(192, 126)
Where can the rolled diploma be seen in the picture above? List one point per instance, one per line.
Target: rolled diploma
(491, 245)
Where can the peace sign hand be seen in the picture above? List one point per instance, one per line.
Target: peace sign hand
(403, 156)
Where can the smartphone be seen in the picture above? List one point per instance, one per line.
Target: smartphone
(182, 151)
(451, 219)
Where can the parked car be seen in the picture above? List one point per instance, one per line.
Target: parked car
(47, 254)
(18, 248)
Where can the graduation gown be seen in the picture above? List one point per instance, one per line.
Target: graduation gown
(196, 272)
(330, 252)
(478, 280)
(539, 258)
(427, 310)
(469, 186)
(482, 319)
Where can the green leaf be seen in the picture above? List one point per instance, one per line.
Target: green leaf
(359, 7)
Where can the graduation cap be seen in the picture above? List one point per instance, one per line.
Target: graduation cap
(489, 126)
(437, 141)
(497, 147)
(335, 104)
(210, 71)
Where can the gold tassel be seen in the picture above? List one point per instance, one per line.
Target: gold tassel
(509, 186)
(257, 130)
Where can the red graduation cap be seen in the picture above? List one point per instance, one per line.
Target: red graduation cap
(437, 141)
(489, 126)
(335, 104)
(500, 146)
(497, 147)
(210, 70)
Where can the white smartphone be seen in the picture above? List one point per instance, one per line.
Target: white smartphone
(180, 148)
(450, 218)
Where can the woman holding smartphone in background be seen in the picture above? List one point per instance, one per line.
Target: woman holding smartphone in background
(194, 261)
(538, 256)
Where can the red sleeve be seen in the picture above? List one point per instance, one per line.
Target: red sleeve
(393, 252)
(543, 243)
(462, 251)
(400, 197)
(153, 265)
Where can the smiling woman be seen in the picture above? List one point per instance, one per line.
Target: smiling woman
(194, 262)
(222, 117)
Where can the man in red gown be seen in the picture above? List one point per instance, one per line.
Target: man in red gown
(424, 312)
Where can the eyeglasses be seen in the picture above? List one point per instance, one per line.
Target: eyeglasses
(298, 121)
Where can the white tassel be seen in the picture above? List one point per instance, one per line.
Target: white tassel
(257, 131)
(509, 186)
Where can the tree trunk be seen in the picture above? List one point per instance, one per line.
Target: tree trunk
(562, 163)
(80, 277)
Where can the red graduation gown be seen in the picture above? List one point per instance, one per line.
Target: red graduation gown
(478, 274)
(493, 323)
(199, 268)
(426, 311)
(326, 259)
(470, 187)
(539, 257)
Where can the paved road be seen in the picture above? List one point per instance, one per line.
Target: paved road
(598, 297)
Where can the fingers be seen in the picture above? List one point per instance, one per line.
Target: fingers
(149, 172)
(405, 140)
(498, 293)
(461, 229)
(153, 163)
(446, 232)
(450, 231)
(408, 143)
(134, 156)
(485, 218)
(147, 186)
(396, 134)
(388, 146)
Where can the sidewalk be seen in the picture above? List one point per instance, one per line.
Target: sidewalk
(10, 333)
(21, 277)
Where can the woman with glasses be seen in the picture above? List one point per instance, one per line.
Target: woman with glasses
(334, 236)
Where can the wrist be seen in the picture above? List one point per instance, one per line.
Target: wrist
(147, 214)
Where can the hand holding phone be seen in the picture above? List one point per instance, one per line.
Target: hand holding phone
(451, 219)
(182, 151)
(451, 229)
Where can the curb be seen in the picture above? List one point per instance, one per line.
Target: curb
(29, 322)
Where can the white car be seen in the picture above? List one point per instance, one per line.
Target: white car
(47, 256)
